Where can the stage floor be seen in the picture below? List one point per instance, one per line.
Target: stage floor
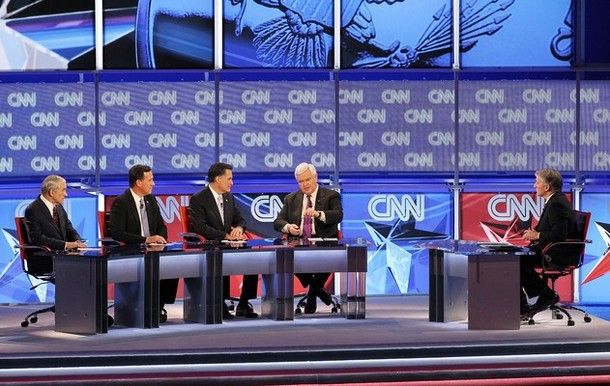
(396, 334)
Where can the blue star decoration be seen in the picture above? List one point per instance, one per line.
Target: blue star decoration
(602, 266)
(398, 266)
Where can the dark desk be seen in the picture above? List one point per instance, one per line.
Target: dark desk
(82, 278)
(278, 260)
(470, 281)
(81, 296)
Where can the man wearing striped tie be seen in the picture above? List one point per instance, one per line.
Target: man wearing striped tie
(135, 218)
(311, 211)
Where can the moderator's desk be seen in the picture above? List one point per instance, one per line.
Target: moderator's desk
(474, 282)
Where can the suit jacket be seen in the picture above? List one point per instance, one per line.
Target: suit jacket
(42, 229)
(125, 219)
(327, 200)
(206, 217)
(557, 222)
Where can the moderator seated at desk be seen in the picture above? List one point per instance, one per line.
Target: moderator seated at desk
(478, 281)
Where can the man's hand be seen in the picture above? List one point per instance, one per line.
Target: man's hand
(75, 244)
(531, 235)
(156, 239)
(293, 229)
(311, 212)
(237, 233)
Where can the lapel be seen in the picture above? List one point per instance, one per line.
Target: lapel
(214, 205)
(62, 221)
(546, 205)
(133, 208)
(44, 209)
(319, 198)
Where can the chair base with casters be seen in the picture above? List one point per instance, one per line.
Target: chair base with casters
(335, 304)
(561, 259)
(32, 317)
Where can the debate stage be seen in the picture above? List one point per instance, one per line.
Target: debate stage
(395, 343)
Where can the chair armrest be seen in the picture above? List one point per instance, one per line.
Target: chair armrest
(29, 247)
(564, 243)
(192, 238)
(109, 242)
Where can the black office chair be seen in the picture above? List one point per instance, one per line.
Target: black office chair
(561, 259)
(26, 250)
(335, 303)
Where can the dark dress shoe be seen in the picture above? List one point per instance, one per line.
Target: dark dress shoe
(310, 305)
(225, 312)
(163, 316)
(325, 296)
(545, 300)
(245, 310)
(110, 320)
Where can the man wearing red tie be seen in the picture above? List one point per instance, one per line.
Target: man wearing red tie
(49, 225)
(312, 211)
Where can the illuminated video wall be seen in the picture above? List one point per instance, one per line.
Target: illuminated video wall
(161, 34)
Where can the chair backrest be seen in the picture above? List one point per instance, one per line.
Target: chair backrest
(23, 236)
(186, 219)
(103, 220)
(188, 228)
(569, 254)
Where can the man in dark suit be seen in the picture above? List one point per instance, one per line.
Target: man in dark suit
(49, 225)
(312, 211)
(557, 223)
(135, 218)
(216, 217)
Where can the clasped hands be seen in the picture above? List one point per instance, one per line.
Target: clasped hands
(531, 235)
(237, 233)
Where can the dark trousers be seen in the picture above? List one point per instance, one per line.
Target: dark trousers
(315, 281)
(248, 288)
(167, 291)
(531, 281)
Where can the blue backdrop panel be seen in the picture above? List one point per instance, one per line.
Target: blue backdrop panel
(14, 284)
(273, 126)
(524, 38)
(597, 259)
(517, 125)
(396, 126)
(167, 125)
(47, 128)
(394, 223)
(595, 126)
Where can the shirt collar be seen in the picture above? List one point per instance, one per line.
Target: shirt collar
(48, 203)
(135, 196)
(215, 194)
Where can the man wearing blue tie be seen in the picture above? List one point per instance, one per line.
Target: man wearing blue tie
(311, 211)
(135, 218)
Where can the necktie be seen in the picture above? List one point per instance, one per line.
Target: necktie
(221, 209)
(144, 219)
(56, 215)
(307, 220)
